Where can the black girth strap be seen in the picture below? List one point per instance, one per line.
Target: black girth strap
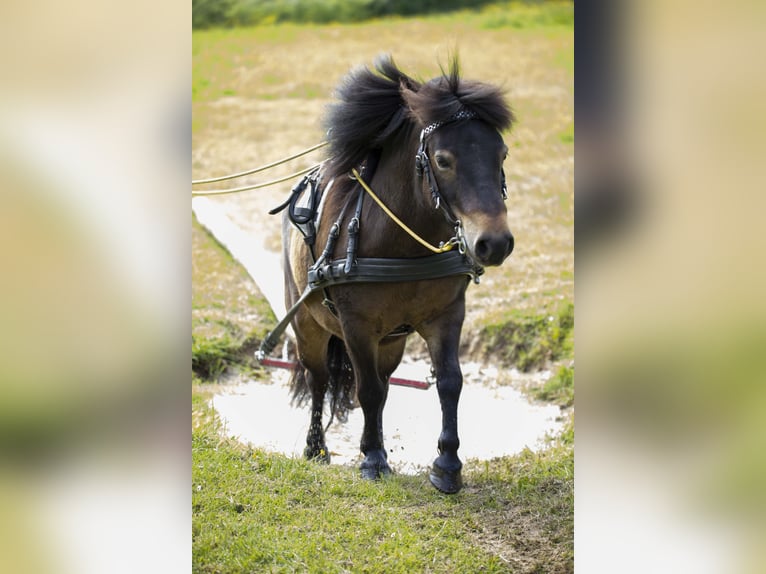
(374, 270)
(380, 270)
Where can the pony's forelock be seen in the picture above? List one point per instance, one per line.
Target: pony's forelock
(375, 106)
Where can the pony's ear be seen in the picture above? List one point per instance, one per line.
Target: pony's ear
(410, 99)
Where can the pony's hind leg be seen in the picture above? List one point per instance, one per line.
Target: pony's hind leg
(373, 363)
(372, 391)
(307, 385)
(312, 381)
(316, 448)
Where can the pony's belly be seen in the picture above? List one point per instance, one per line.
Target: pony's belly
(397, 308)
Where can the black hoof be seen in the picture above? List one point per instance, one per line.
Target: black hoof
(446, 481)
(374, 465)
(318, 454)
(371, 473)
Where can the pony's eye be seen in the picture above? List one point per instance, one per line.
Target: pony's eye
(442, 162)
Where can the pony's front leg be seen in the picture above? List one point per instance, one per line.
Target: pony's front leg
(372, 392)
(443, 339)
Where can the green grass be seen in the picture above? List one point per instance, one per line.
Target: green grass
(558, 389)
(212, 356)
(528, 340)
(229, 315)
(254, 512)
(516, 15)
(529, 15)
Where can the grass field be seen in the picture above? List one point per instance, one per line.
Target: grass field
(258, 94)
(260, 512)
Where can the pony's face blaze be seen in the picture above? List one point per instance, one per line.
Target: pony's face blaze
(467, 162)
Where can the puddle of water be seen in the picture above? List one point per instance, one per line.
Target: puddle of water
(493, 420)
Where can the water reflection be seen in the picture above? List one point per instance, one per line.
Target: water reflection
(493, 420)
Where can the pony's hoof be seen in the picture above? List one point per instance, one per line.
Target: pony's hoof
(373, 473)
(446, 481)
(374, 466)
(321, 454)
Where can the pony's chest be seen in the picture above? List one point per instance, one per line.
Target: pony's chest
(390, 305)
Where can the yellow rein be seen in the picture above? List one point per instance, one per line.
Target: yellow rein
(444, 247)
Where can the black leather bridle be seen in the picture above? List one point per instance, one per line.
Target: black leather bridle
(423, 163)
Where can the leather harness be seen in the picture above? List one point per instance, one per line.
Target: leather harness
(326, 272)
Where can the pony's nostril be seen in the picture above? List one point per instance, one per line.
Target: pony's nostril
(492, 249)
(482, 249)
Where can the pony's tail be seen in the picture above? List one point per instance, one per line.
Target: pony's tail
(342, 387)
(299, 385)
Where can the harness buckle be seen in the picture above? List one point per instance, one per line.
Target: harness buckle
(327, 302)
(460, 237)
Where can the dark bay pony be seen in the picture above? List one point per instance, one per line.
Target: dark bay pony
(350, 337)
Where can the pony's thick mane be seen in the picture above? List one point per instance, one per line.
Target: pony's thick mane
(375, 106)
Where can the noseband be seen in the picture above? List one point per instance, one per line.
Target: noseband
(423, 164)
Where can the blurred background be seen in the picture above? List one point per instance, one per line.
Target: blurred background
(671, 435)
(94, 287)
(94, 295)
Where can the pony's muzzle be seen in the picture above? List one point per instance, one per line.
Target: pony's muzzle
(492, 248)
